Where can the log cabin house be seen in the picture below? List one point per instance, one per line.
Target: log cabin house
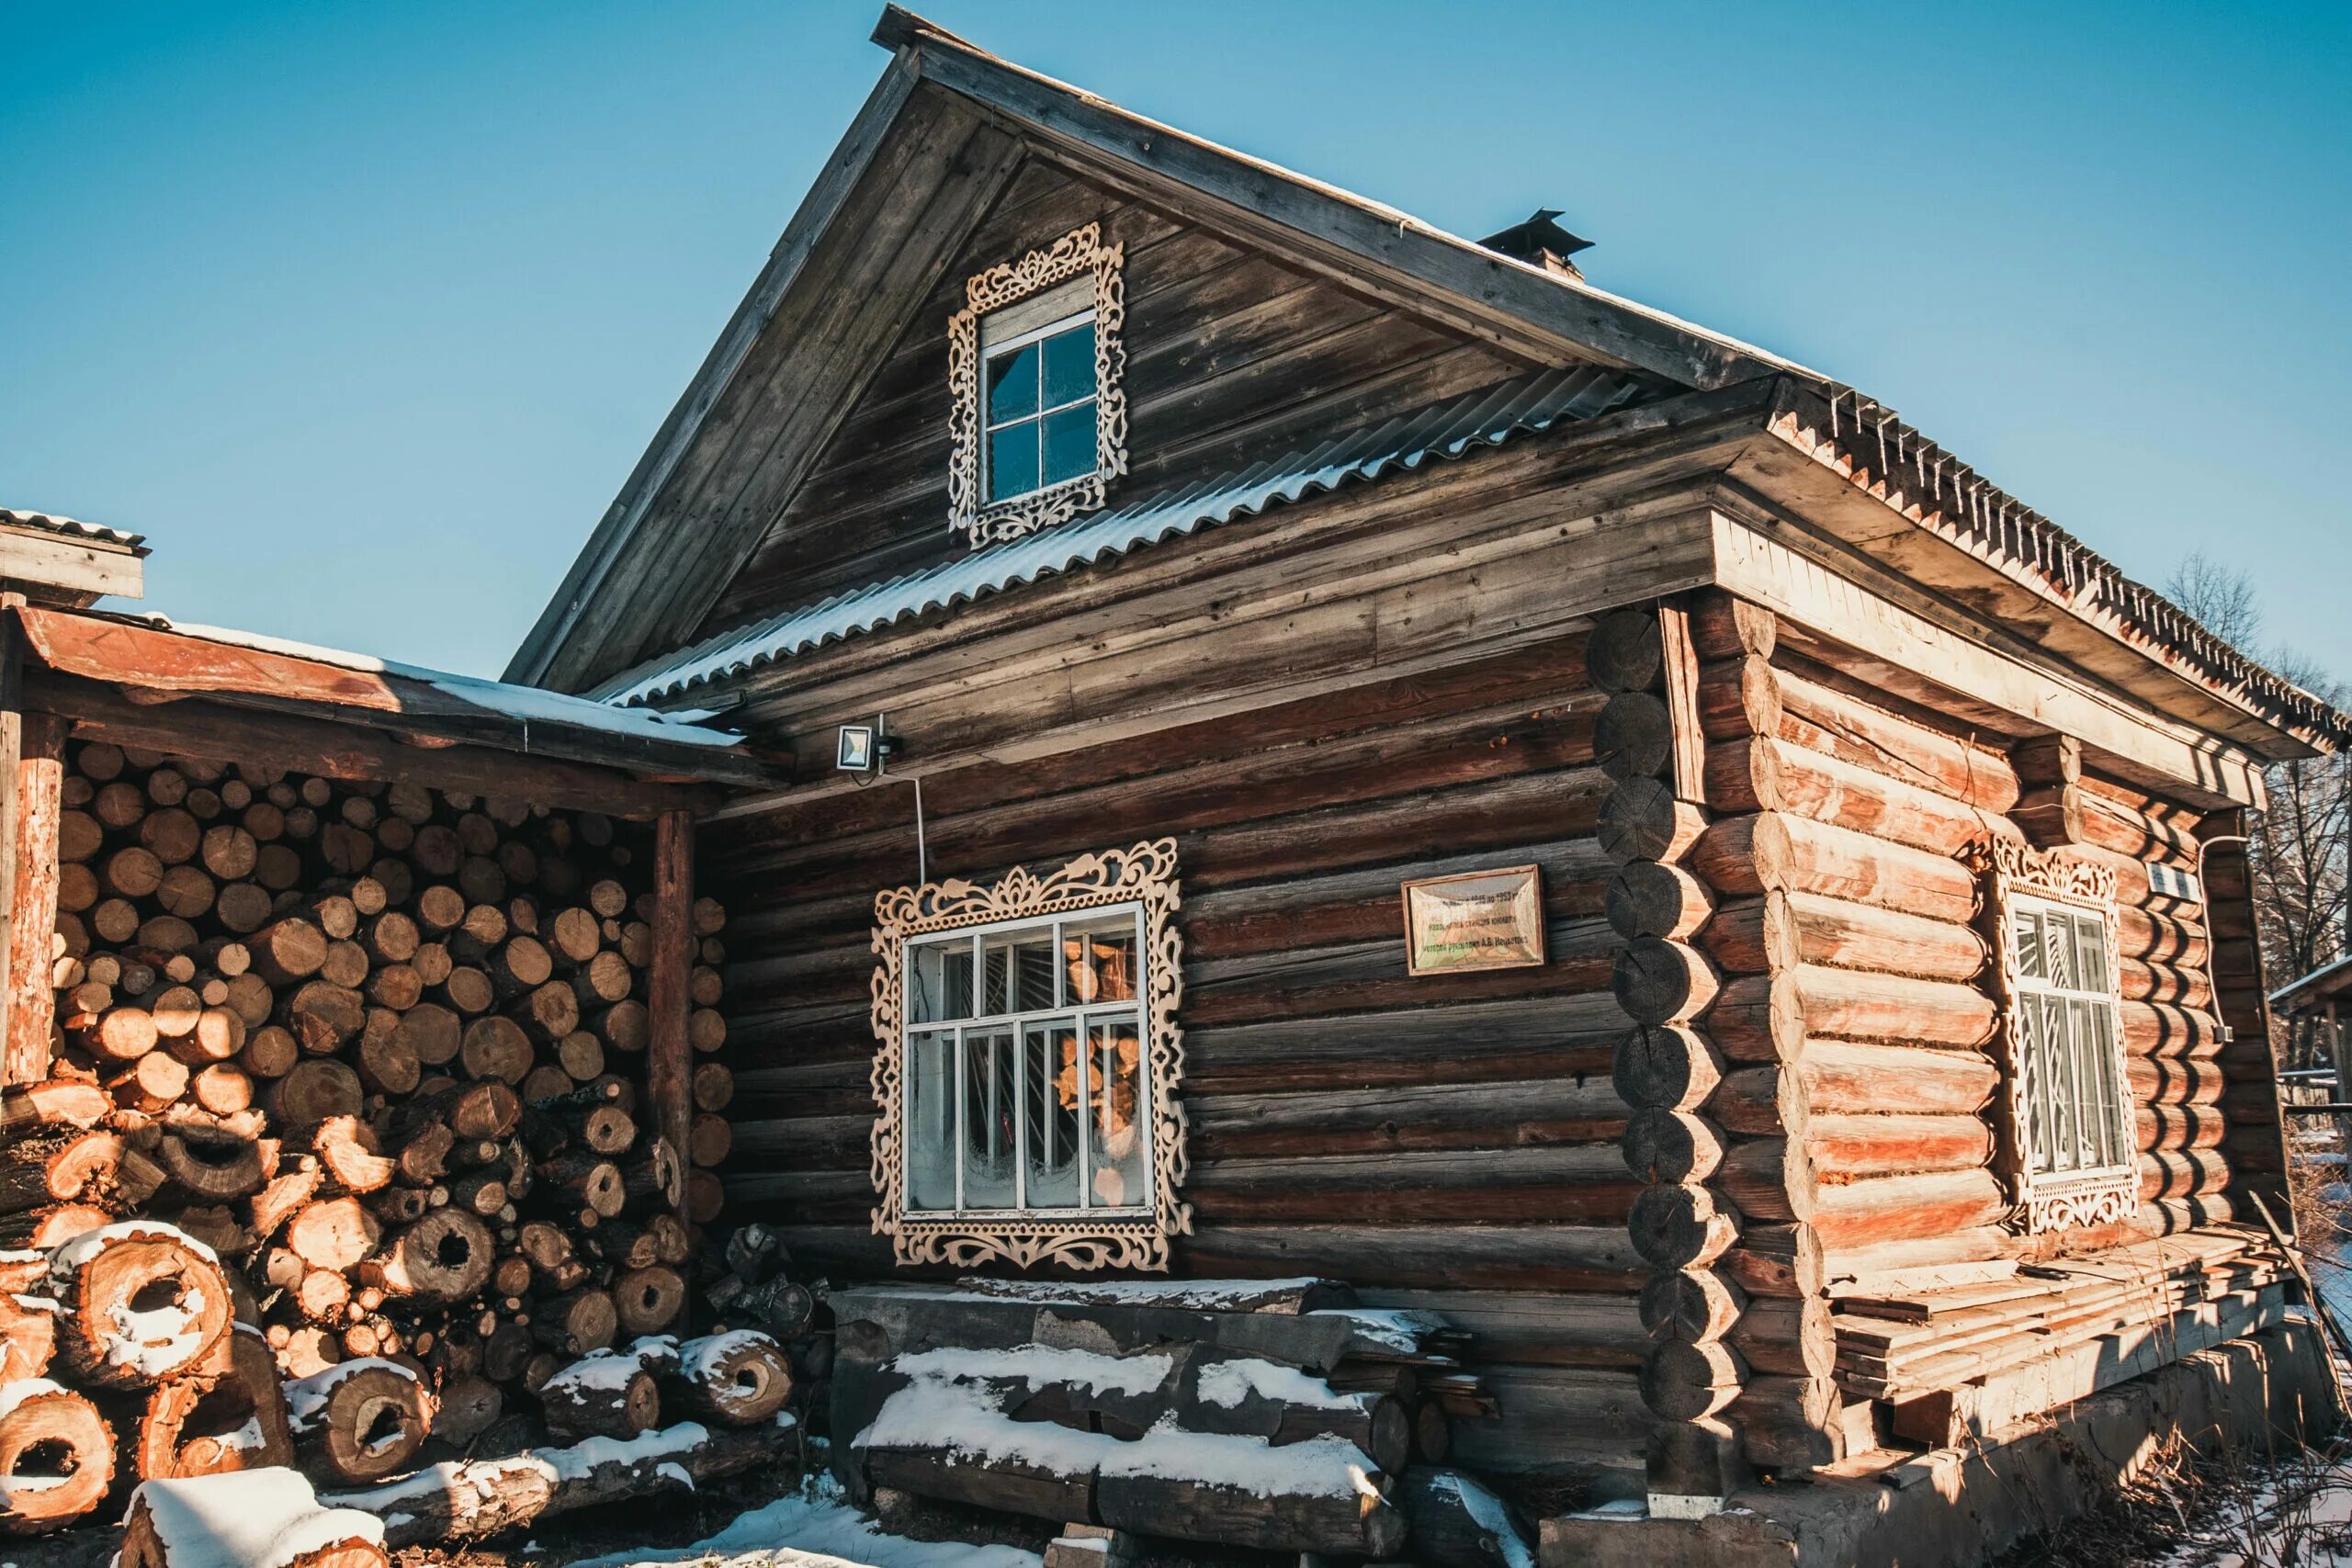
(1363, 871)
(1849, 1032)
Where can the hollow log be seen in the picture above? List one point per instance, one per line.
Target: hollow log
(739, 1378)
(447, 1256)
(58, 1456)
(143, 1303)
(202, 1521)
(360, 1421)
(230, 1417)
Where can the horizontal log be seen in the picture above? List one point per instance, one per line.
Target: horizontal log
(1848, 1147)
(1651, 898)
(1788, 1337)
(1670, 1067)
(1898, 1208)
(1782, 850)
(1854, 1005)
(1844, 1075)
(1857, 733)
(1738, 697)
(1788, 1423)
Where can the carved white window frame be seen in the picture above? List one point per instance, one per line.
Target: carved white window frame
(1143, 876)
(1080, 252)
(2048, 1200)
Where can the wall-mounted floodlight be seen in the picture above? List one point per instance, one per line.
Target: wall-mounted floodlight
(864, 751)
(856, 752)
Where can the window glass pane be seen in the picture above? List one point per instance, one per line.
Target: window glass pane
(1100, 956)
(939, 981)
(1049, 1071)
(2057, 949)
(1115, 1089)
(991, 1100)
(2090, 941)
(1070, 364)
(1069, 443)
(2025, 933)
(1012, 461)
(931, 1120)
(1012, 384)
(1019, 969)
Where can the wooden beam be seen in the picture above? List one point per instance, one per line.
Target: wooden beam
(348, 750)
(31, 1004)
(83, 569)
(12, 739)
(1682, 661)
(1854, 603)
(669, 1067)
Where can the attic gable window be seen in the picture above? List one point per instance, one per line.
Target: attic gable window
(1035, 366)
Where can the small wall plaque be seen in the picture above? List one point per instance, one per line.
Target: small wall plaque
(2171, 882)
(1479, 920)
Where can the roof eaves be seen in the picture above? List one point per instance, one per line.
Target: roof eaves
(1877, 452)
(49, 523)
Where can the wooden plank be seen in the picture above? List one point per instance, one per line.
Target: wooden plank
(669, 1065)
(1682, 663)
(41, 778)
(347, 751)
(82, 566)
(12, 741)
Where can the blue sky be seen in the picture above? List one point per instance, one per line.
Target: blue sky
(363, 312)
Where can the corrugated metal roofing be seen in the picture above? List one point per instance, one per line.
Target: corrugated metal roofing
(51, 523)
(1483, 418)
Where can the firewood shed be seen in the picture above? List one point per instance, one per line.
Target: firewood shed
(378, 998)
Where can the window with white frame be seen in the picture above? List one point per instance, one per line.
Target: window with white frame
(1028, 1066)
(1038, 417)
(2070, 1141)
(1025, 1085)
(1037, 371)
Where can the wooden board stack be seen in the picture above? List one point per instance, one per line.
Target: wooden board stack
(375, 1045)
(1945, 1358)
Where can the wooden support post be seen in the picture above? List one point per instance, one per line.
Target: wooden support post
(38, 770)
(669, 1067)
(12, 745)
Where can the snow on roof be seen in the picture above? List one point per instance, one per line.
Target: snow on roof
(528, 704)
(50, 523)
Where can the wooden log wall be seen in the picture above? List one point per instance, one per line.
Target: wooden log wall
(1683, 1222)
(1857, 1012)
(1453, 1140)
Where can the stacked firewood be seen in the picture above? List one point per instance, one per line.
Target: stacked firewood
(375, 1046)
(123, 1362)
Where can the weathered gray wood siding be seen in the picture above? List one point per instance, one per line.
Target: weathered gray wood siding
(1451, 1137)
(1231, 358)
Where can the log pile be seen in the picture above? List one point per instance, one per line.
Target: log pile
(137, 1374)
(381, 1049)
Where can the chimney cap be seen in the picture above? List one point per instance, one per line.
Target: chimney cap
(1540, 241)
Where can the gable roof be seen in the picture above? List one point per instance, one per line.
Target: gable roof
(648, 571)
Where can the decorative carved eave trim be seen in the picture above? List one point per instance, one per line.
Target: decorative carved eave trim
(1076, 253)
(2049, 1201)
(1143, 873)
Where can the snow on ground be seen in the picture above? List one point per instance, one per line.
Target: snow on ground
(815, 1529)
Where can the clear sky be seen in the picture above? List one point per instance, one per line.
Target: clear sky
(363, 312)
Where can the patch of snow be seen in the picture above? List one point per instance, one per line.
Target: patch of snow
(698, 1359)
(582, 1457)
(245, 1438)
(676, 1472)
(16, 1394)
(1230, 1382)
(158, 1341)
(816, 1529)
(1486, 1511)
(530, 703)
(69, 1256)
(1042, 1364)
(249, 1518)
(1623, 1509)
(971, 1422)
(1192, 1296)
(10, 1485)
(1392, 1328)
(48, 1305)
